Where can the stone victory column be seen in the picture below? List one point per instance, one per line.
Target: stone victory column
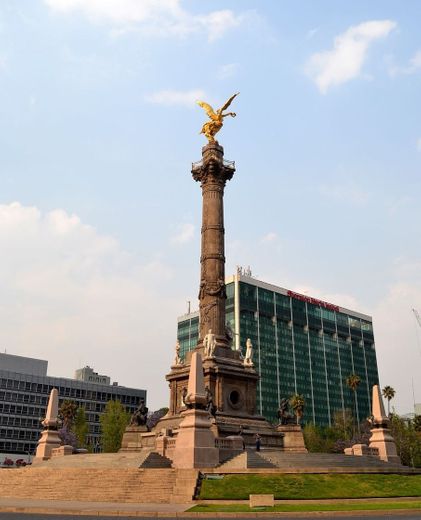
(230, 381)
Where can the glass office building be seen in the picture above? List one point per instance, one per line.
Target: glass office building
(24, 392)
(301, 345)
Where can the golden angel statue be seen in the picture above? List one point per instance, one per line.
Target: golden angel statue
(210, 128)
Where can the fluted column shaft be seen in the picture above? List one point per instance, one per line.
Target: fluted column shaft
(212, 173)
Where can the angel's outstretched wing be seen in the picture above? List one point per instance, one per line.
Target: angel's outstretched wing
(207, 108)
(228, 103)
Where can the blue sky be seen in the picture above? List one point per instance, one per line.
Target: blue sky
(99, 216)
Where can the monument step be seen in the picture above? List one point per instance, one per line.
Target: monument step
(326, 460)
(96, 460)
(247, 459)
(309, 462)
(107, 485)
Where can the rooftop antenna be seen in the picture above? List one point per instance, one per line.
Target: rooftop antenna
(188, 307)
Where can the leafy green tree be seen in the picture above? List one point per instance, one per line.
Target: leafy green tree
(113, 423)
(343, 424)
(388, 393)
(80, 427)
(313, 438)
(417, 423)
(67, 413)
(297, 403)
(322, 439)
(353, 382)
(407, 439)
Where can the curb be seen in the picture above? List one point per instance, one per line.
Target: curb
(166, 514)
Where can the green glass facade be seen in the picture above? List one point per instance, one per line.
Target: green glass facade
(301, 345)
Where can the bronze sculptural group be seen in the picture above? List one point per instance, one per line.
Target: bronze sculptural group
(284, 415)
(140, 416)
(212, 127)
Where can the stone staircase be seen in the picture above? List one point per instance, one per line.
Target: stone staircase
(248, 460)
(330, 462)
(276, 461)
(96, 460)
(132, 485)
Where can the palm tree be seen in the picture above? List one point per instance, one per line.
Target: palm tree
(352, 382)
(297, 403)
(388, 393)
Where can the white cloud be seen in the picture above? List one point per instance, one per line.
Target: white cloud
(413, 66)
(398, 340)
(218, 22)
(157, 17)
(185, 233)
(186, 98)
(73, 296)
(269, 237)
(344, 62)
(228, 70)
(415, 63)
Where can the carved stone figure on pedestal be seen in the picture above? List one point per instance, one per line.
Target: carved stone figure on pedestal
(209, 344)
(183, 398)
(210, 407)
(248, 359)
(177, 359)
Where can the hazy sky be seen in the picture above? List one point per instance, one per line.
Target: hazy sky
(99, 215)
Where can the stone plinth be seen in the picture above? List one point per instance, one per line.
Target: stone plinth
(135, 438)
(382, 439)
(261, 500)
(195, 444)
(48, 442)
(62, 451)
(293, 438)
(359, 450)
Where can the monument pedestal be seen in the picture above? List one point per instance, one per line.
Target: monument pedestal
(49, 441)
(195, 444)
(293, 438)
(49, 437)
(233, 388)
(135, 438)
(382, 440)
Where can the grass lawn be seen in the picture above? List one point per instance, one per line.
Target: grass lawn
(290, 508)
(311, 486)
